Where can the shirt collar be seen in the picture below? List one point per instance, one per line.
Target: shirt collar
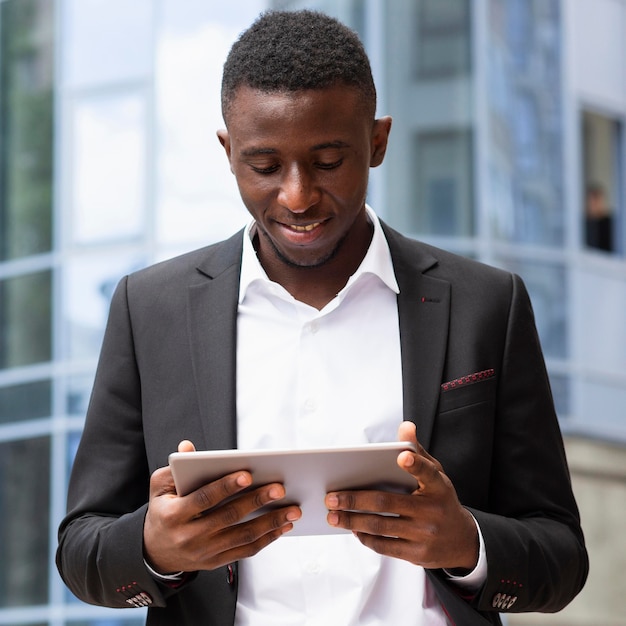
(377, 261)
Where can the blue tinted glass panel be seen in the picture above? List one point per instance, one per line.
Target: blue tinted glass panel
(24, 533)
(25, 319)
(525, 119)
(26, 401)
(26, 127)
(547, 287)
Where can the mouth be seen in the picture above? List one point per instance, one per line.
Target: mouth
(304, 229)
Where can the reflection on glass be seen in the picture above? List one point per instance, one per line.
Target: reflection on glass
(25, 401)
(549, 295)
(89, 284)
(443, 180)
(108, 167)
(106, 41)
(525, 122)
(25, 320)
(24, 532)
(26, 122)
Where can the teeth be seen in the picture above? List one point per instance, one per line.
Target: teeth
(304, 229)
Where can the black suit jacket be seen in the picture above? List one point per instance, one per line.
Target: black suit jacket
(167, 372)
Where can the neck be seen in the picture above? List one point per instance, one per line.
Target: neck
(317, 286)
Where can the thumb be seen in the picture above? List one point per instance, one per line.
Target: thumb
(186, 446)
(162, 481)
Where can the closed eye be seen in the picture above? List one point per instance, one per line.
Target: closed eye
(329, 166)
(265, 170)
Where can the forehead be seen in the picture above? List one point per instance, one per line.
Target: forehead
(338, 109)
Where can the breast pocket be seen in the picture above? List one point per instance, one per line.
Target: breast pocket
(467, 391)
(463, 437)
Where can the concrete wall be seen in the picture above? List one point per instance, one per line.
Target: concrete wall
(599, 479)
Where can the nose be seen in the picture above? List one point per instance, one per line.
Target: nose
(298, 191)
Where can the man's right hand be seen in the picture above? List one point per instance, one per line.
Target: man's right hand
(200, 531)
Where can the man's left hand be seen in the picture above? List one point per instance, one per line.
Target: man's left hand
(428, 527)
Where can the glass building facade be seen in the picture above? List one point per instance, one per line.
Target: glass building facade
(109, 162)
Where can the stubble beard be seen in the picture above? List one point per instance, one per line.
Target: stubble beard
(313, 264)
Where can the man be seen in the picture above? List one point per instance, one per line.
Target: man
(319, 325)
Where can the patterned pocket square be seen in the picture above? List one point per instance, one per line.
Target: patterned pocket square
(468, 380)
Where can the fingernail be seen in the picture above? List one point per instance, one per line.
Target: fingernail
(332, 501)
(243, 480)
(333, 518)
(276, 493)
(408, 459)
(292, 516)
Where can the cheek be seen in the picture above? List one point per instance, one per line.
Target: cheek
(254, 195)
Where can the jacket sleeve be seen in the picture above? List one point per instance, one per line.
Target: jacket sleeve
(535, 548)
(100, 552)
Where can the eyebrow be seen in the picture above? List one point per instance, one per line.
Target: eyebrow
(330, 144)
(258, 151)
(251, 152)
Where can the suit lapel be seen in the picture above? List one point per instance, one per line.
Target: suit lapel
(424, 312)
(212, 327)
(423, 308)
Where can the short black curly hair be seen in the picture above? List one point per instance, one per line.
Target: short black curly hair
(297, 50)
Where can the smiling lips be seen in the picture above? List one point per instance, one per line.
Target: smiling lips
(304, 229)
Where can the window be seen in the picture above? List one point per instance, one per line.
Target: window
(25, 319)
(443, 38)
(603, 212)
(525, 123)
(109, 144)
(25, 401)
(26, 127)
(100, 46)
(24, 534)
(443, 179)
(548, 290)
(89, 282)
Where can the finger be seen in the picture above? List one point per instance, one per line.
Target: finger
(228, 501)
(215, 493)
(379, 502)
(371, 524)
(250, 531)
(262, 503)
(186, 446)
(162, 483)
(249, 540)
(407, 431)
(420, 464)
(415, 553)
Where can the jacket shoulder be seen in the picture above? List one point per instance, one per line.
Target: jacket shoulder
(196, 265)
(460, 271)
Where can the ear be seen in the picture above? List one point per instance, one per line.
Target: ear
(380, 137)
(224, 139)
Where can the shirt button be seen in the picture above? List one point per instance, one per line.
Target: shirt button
(309, 404)
(313, 567)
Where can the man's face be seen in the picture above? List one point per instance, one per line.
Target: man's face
(301, 160)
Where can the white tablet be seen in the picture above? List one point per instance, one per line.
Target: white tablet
(307, 475)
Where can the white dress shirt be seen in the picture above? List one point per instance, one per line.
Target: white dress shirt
(309, 378)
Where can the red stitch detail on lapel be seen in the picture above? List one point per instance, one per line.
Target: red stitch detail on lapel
(468, 380)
